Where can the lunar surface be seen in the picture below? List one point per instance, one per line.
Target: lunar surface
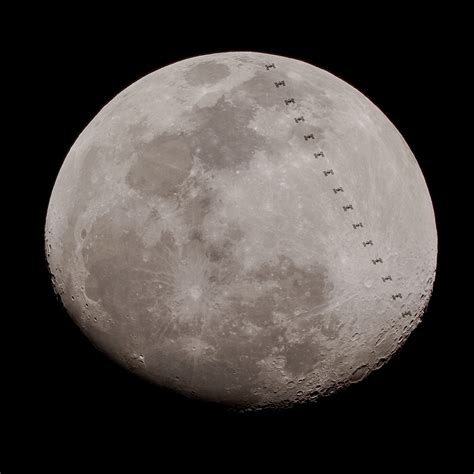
(243, 228)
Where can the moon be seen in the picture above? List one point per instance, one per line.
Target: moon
(243, 228)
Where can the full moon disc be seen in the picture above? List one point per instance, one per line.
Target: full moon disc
(243, 228)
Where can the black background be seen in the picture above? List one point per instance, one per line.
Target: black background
(71, 397)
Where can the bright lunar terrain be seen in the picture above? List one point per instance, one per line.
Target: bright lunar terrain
(243, 228)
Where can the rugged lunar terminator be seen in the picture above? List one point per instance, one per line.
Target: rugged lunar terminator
(243, 228)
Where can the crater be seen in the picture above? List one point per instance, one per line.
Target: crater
(200, 291)
(359, 373)
(301, 356)
(278, 301)
(330, 327)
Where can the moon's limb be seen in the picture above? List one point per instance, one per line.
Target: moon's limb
(245, 234)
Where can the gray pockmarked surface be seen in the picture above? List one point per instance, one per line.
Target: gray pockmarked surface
(209, 239)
